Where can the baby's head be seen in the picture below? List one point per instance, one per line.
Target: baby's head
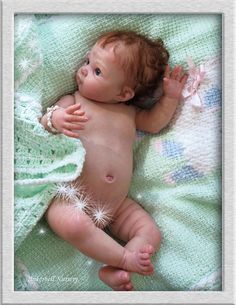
(127, 62)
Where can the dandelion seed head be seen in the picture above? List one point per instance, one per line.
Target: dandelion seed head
(61, 190)
(71, 192)
(66, 191)
(81, 205)
(139, 196)
(89, 262)
(42, 231)
(24, 64)
(101, 216)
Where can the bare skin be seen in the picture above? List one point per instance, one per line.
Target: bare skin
(110, 181)
(106, 126)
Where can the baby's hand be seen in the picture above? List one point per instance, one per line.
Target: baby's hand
(66, 120)
(174, 82)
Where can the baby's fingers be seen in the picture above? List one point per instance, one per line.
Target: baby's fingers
(73, 108)
(80, 113)
(177, 73)
(70, 133)
(77, 118)
(167, 71)
(184, 79)
(72, 126)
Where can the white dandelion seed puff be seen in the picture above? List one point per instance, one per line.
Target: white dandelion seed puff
(71, 192)
(24, 64)
(61, 190)
(66, 191)
(41, 231)
(80, 205)
(89, 262)
(100, 216)
(139, 196)
(82, 202)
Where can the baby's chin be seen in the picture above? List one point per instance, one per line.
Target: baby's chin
(87, 94)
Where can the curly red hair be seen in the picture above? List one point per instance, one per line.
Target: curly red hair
(144, 61)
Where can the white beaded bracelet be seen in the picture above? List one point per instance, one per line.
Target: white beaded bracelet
(50, 111)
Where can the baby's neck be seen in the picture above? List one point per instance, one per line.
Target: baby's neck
(112, 102)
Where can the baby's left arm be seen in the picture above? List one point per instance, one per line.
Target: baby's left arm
(156, 118)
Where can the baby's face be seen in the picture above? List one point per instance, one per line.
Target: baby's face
(101, 78)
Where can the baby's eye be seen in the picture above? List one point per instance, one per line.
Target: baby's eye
(97, 71)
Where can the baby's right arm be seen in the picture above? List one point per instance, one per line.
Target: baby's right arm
(67, 118)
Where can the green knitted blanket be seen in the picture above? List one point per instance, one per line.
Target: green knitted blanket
(177, 173)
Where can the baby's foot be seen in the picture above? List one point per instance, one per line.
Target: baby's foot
(139, 261)
(117, 279)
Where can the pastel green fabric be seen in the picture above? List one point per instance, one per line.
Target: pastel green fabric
(177, 173)
(41, 159)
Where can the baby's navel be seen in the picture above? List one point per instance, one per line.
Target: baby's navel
(109, 178)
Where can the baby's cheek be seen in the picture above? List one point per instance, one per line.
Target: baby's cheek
(88, 91)
(101, 94)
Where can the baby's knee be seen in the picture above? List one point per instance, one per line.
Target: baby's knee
(78, 227)
(68, 222)
(153, 234)
(156, 235)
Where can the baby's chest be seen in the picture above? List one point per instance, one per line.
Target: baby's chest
(113, 120)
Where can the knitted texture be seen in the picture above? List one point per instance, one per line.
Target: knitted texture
(177, 173)
(41, 159)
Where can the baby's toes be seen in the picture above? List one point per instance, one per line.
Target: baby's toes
(147, 249)
(123, 288)
(115, 278)
(150, 272)
(144, 257)
(128, 287)
(147, 268)
(145, 262)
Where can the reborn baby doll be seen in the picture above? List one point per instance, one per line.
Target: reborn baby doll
(119, 67)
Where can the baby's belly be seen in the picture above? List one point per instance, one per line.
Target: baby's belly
(107, 174)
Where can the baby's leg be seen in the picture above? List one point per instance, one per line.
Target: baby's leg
(142, 235)
(78, 229)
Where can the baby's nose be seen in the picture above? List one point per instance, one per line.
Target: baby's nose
(84, 71)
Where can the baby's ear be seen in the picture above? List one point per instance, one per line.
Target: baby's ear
(126, 94)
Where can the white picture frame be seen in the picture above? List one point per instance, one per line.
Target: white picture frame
(11, 7)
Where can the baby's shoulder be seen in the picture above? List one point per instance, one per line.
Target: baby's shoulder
(66, 100)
